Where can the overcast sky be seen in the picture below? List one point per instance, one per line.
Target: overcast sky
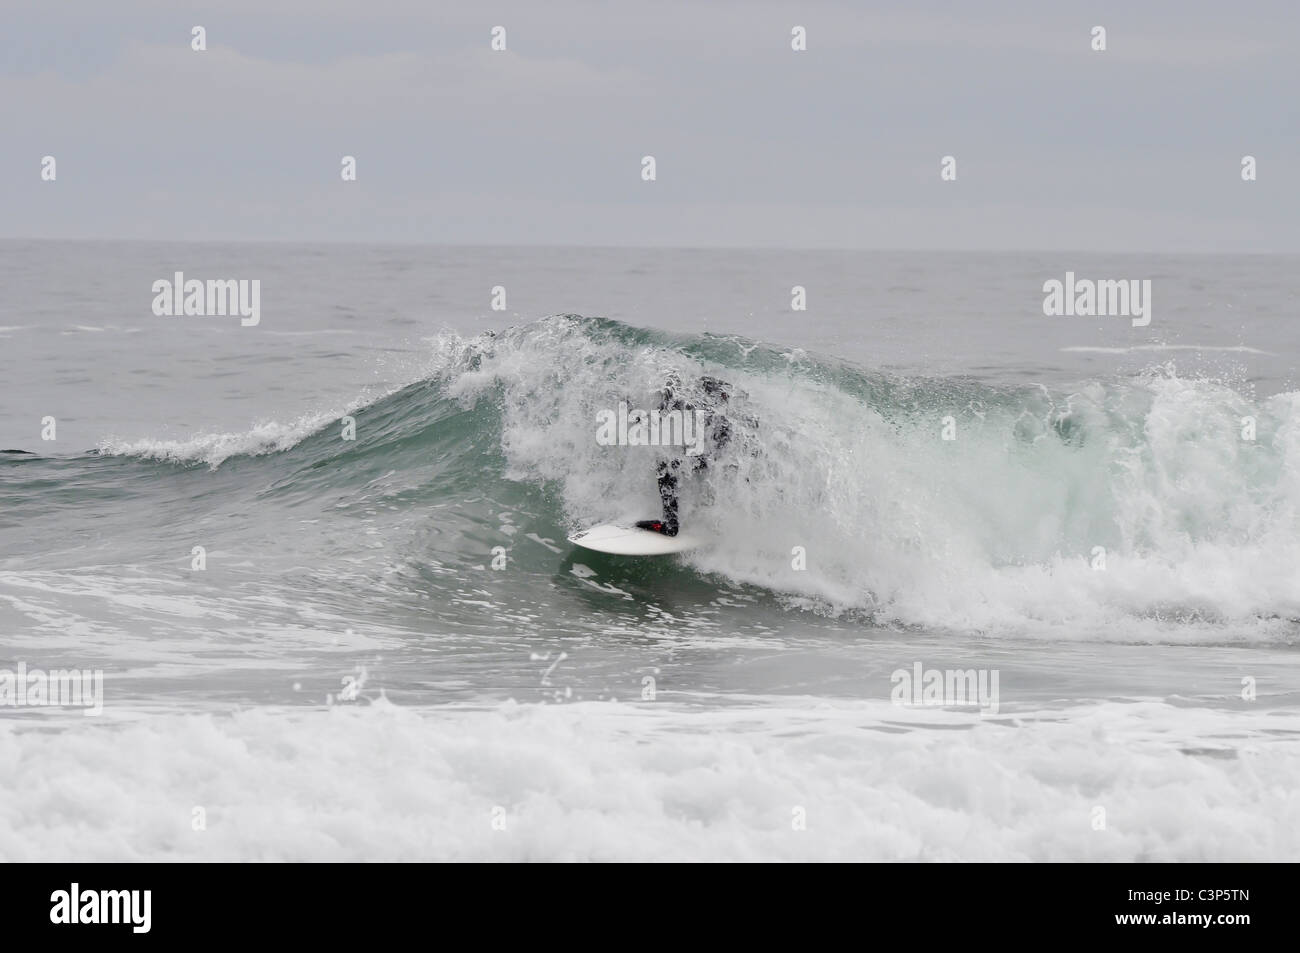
(1057, 146)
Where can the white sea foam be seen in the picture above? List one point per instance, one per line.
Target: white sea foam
(1228, 348)
(613, 781)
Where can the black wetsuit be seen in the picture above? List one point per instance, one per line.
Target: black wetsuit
(714, 396)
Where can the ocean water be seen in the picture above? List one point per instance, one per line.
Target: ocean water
(392, 651)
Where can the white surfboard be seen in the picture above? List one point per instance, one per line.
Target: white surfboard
(630, 541)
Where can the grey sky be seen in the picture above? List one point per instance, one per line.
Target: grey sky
(1137, 148)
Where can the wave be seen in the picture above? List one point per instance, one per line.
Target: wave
(1126, 506)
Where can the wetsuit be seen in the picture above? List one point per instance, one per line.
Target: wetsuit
(715, 394)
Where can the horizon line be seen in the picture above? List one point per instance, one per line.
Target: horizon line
(370, 243)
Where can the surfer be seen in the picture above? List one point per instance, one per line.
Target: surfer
(711, 401)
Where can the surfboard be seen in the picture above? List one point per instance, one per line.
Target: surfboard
(630, 541)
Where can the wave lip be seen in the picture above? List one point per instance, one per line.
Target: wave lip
(215, 448)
